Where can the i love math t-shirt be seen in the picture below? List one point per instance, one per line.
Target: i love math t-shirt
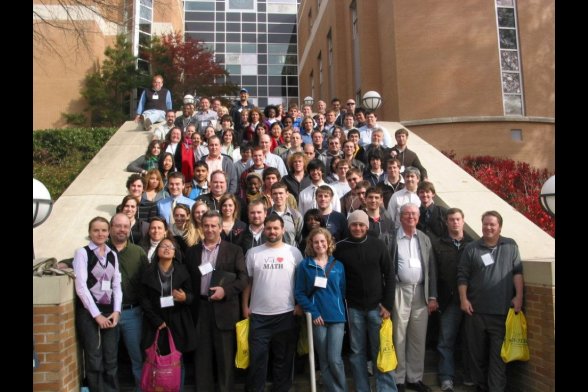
(272, 270)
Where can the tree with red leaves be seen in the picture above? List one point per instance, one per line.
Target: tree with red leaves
(517, 183)
(188, 67)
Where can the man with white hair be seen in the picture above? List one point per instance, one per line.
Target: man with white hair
(271, 159)
(415, 298)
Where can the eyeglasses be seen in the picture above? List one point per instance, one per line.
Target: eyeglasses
(166, 247)
(350, 103)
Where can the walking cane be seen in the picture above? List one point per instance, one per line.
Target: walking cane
(310, 352)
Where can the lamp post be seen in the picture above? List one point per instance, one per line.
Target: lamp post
(547, 196)
(42, 205)
(308, 100)
(372, 100)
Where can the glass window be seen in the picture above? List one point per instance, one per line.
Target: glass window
(231, 58)
(145, 13)
(508, 39)
(277, 80)
(262, 59)
(144, 39)
(280, 28)
(248, 37)
(513, 105)
(206, 37)
(241, 5)
(202, 16)
(233, 27)
(292, 91)
(233, 69)
(233, 48)
(235, 78)
(276, 90)
(279, 18)
(509, 60)
(262, 69)
(234, 37)
(233, 17)
(148, 3)
(145, 28)
(282, 8)
(220, 37)
(199, 6)
(248, 17)
(249, 59)
(249, 27)
(506, 17)
(280, 38)
(249, 48)
(511, 82)
(251, 79)
(249, 69)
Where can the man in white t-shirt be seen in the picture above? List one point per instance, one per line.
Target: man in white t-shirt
(271, 268)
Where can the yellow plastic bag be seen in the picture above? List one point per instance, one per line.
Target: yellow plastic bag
(515, 346)
(242, 357)
(387, 360)
(302, 345)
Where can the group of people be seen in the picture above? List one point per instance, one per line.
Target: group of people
(337, 221)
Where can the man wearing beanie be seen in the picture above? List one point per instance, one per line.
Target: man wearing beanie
(370, 280)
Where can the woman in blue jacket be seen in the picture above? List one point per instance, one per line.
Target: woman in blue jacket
(320, 290)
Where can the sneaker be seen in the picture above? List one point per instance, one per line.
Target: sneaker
(418, 386)
(447, 385)
(468, 383)
(146, 124)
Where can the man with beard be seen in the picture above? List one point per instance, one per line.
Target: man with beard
(271, 268)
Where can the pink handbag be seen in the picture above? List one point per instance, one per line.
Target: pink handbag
(162, 373)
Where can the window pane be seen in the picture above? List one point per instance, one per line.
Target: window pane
(506, 17)
(199, 6)
(249, 69)
(508, 39)
(145, 28)
(509, 60)
(249, 59)
(232, 58)
(145, 13)
(148, 3)
(504, 2)
(513, 105)
(511, 83)
(249, 27)
(233, 69)
(281, 28)
(233, 48)
(288, 18)
(281, 8)
(249, 48)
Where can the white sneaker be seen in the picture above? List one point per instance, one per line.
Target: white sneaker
(447, 385)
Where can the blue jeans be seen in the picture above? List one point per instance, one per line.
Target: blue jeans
(130, 327)
(328, 340)
(361, 321)
(450, 323)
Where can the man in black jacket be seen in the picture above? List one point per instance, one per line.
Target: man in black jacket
(218, 276)
(370, 283)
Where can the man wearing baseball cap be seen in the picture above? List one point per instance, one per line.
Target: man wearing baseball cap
(242, 103)
(370, 278)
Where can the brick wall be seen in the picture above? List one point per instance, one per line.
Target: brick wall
(55, 343)
(538, 374)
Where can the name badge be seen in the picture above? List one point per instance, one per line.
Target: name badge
(402, 169)
(166, 302)
(487, 259)
(155, 96)
(413, 262)
(320, 281)
(205, 269)
(105, 285)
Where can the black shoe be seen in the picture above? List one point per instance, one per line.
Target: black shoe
(418, 386)
(400, 387)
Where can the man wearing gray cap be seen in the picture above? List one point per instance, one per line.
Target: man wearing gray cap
(370, 281)
(242, 103)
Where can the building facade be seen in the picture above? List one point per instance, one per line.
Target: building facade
(474, 78)
(62, 57)
(255, 40)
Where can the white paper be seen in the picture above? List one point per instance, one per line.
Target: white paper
(320, 281)
(205, 269)
(487, 259)
(105, 286)
(167, 302)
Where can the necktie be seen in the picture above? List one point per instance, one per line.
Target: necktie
(171, 215)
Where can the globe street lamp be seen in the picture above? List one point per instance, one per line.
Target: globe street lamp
(547, 196)
(308, 100)
(42, 205)
(372, 100)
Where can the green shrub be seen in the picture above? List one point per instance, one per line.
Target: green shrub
(59, 155)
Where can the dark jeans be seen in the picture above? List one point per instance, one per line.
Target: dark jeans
(485, 334)
(216, 350)
(100, 352)
(279, 333)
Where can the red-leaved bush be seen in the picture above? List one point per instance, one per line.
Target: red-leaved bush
(517, 183)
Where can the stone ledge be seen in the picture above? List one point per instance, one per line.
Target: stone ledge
(52, 290)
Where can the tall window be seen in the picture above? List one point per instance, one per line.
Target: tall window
(142, 32)
(356, 53)
(312, 94)
(330, 64)
(320, 64)
(510, 64)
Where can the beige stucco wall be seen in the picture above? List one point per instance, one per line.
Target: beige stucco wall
(59, 71)
(57, 79)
